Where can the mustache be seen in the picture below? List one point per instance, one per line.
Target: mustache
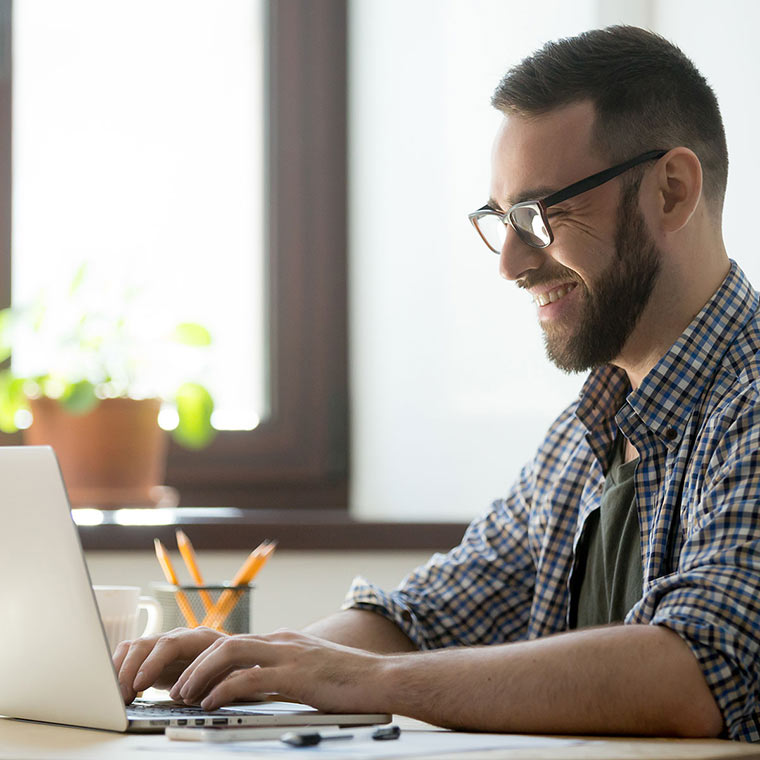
(548, 276)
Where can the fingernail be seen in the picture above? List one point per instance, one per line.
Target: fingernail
(125, 693)
(138, 682)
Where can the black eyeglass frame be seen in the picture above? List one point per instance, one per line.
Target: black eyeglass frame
(541, 205)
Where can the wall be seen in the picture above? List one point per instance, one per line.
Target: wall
(293, 590)
(721, 39)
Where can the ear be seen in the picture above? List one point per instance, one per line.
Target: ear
(678, 187)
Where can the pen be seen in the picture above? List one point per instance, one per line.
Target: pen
(188, 554)
(311, 738)
(171, 577)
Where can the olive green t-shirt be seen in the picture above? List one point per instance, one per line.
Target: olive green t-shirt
(610, 576)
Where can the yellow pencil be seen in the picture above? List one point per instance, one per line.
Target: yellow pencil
(171, 577)
(216, 617)
(188, 554)
(227, 601)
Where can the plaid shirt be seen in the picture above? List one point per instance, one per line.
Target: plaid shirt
(695, 421)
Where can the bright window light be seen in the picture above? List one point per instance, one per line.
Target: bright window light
(138, 147)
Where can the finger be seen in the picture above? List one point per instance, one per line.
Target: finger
(131, 655)
(179, 646)
(210, 667)
(125, 685)
(119, 654)
(218, 661)
(175, 692)
(246, 685)
(179, 685)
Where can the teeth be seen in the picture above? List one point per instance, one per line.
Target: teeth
(553, 295)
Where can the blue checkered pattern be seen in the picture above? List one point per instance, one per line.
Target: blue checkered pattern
(695, 422)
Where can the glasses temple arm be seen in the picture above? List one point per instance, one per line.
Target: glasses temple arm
(599, 178)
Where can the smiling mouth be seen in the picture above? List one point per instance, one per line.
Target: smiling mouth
(553, 295)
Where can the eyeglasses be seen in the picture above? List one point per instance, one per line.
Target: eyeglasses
(529, 219)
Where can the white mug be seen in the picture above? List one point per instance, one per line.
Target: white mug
(120, 609)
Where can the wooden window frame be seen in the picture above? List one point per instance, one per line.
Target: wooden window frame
(298, 458)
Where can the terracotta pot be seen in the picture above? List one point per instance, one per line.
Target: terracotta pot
(111, 457)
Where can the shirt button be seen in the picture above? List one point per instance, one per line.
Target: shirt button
(671, 434)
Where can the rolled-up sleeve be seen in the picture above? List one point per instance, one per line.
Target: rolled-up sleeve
(712, 600)
(478, 593)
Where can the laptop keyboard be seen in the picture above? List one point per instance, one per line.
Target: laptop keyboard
(172, 710)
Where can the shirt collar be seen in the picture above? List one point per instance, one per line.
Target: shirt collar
(667, 395)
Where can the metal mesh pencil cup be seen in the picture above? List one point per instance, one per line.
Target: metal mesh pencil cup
(238, 601)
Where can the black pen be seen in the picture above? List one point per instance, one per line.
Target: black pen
(310, 738)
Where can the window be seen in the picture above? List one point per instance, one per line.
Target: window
(297, 456)
(138, 137)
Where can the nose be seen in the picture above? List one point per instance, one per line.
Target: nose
(518, 258)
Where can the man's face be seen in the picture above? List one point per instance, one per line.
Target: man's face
(592, 283)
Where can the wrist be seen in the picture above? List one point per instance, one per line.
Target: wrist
(391, 679)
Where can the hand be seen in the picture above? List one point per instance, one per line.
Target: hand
(327, 676)
(160, 659)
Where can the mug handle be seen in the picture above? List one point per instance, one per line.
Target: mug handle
(154, 612)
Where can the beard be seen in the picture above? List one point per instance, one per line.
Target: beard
(613, 306)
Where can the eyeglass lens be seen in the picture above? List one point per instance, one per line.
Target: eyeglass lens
(530, 225)
(493, 230)
(527, 221)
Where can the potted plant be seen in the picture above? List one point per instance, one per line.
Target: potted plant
(92, 368)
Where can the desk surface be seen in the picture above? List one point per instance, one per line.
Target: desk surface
(30, 741)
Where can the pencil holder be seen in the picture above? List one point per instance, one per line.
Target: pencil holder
(224, 607)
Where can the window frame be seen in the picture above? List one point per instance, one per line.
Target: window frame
(6, 154)
(298, 457)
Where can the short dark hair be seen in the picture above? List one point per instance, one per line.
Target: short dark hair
(646, 92)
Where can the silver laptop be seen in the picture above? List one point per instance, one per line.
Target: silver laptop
(55, 665)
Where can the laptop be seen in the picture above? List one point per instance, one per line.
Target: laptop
(55, 664)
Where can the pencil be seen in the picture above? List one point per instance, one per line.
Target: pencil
(188, 554)
(171, 577)
(216, 617)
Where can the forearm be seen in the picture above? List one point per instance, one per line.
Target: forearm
(616, 680)
(362, 629)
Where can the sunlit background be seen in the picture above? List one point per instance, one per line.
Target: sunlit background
(139, 148)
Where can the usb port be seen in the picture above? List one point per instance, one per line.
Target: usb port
(182, 722)
(200, 722)
(219, 721)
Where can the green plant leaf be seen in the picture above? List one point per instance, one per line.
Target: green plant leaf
(194, 408)
(12, 399)
(192, 334)
(79, 398)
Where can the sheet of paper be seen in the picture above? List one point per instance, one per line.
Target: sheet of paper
(410, 744)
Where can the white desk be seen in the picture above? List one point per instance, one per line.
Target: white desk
(31, 741)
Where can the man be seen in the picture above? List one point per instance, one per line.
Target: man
(615, 589)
